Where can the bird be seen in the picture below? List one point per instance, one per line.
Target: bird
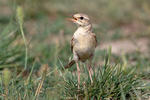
(83, 43)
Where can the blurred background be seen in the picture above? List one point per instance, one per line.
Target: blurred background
(122, 24)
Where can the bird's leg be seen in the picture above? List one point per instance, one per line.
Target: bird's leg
(90, 70)
(75, 57)
(78, 71)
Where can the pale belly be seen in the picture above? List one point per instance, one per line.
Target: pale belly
(84, 47)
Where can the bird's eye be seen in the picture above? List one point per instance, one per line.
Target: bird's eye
(81, 18)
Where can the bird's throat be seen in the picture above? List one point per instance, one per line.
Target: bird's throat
(83, 30)
(87, 27)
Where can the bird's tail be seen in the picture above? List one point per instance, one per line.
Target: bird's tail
(72, 62)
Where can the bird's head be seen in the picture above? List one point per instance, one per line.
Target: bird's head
(80, 19)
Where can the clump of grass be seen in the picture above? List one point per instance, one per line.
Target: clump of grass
(109, 82)
(11, 56)
(11, 51)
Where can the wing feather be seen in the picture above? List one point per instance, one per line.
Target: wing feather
(93, 34)
(72, 43)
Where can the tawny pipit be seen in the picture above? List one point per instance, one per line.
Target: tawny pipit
(83, 43)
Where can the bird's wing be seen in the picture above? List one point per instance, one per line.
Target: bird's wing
(72, 43)
(94, 36)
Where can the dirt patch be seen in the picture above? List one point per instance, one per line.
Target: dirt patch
(5, 10)
(127, 46)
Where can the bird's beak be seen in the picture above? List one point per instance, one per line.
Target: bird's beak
(72, 19)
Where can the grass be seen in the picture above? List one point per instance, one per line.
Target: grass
(38, 40)
(110, 82)
(20, 22)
